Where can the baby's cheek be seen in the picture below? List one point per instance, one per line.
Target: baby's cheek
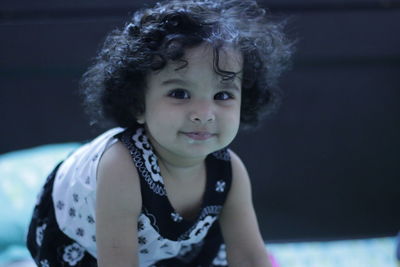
(170, 116)
(230, 127)
(163, 118)
(233, 118)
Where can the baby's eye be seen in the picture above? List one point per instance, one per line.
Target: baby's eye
(179, 94)
(223, 96)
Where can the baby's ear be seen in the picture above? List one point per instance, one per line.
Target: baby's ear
(140, 119)
(138, 115)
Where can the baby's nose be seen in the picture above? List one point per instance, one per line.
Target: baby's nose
(202, 113)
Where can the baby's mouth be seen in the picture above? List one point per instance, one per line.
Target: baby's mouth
(200, 136)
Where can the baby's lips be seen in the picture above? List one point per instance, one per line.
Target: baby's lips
(199, 135)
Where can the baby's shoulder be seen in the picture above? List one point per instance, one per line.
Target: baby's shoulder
(239, 171)
(117, 175)
(117, 160)
(116, 153)
(236, 162)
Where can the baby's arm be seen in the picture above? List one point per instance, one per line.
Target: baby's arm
(117, 209)
(244, 244)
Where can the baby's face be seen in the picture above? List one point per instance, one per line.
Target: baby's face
(191, 112)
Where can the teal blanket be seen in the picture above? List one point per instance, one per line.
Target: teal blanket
(22, 173)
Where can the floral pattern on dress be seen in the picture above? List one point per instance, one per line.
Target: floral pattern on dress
(150, 159)
(44, 263)
(142, 240)
(40, 234)
(220, 186)
(80, 232)
(222, 154)
(201, 228)
(220, 259)
(145, 160)
(156, 248)
(90, 219)
(176, 217)
(188, 252)
(154, 164)
(60, 205)
(208, 213)
(73, 254)
(140, 226)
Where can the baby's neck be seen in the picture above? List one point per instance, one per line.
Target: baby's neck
(188, 170)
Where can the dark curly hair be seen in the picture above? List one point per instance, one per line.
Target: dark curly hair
(113, 87)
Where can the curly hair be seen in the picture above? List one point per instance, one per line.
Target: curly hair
(113, 87)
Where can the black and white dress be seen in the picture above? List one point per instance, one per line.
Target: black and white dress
(62, 230)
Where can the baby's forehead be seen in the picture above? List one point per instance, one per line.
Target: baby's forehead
(227, 56)
(205, 58)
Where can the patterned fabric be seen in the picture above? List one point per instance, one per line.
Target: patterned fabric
(74, 191)
(62, 230)
(164, 235)
(48, 245)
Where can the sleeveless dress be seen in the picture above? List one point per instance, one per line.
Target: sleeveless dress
(62, 229)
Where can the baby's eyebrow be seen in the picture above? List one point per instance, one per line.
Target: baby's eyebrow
(175, 81)
(230, 85)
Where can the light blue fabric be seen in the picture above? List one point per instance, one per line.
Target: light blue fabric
(372, 252)
(22, 173)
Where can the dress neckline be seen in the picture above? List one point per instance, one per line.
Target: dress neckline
(176, 216)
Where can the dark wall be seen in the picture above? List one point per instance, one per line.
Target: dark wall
(325, 166)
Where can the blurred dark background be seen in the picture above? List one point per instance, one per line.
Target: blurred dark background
(326, 166)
